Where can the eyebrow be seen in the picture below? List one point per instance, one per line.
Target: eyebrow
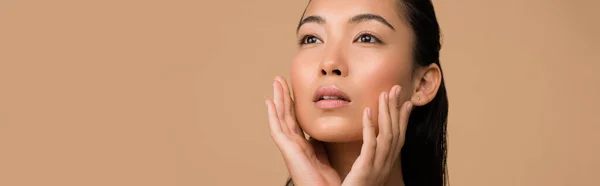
(354, 20)
(370, 17)
(311, 19)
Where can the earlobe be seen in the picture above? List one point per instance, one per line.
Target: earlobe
(427, 84)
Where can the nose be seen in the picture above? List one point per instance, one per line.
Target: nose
(336, 72)
(334, 64)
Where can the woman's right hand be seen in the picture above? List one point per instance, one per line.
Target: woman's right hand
(306, 160)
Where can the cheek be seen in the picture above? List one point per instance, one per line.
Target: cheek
(303, 74)
(302, 77)
(377, 73)
(379, 67)
(370, 72)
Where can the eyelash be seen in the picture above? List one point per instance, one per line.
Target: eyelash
(372, 37)
(305, 37)
(303, 40)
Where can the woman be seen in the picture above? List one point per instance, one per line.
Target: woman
(369, 91)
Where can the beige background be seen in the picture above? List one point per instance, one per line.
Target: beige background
(171, 92)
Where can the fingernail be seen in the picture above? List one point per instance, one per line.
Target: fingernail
(369, 113)
(398, 91)
(410, 106)
(385, 96)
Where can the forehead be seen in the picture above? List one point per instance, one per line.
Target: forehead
(341, 10)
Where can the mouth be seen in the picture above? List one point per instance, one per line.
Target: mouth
(330, 97)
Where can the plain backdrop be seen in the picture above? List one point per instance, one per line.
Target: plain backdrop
(172, 92)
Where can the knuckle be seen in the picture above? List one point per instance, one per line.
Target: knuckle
(275, 135)
(364, 166)
(387, 139)
(389, 134)
(396, 131)
(373, 143)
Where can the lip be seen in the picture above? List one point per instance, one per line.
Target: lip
(330, 90)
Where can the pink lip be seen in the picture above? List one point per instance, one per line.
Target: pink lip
(330, 104)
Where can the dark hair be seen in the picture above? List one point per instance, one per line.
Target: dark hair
(424, 152)
(425, 149)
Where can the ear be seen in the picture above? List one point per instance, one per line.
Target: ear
(427, 81)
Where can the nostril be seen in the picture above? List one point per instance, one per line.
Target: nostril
(337, 72)
(323, 72)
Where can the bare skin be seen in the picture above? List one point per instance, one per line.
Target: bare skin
(308, 162)
(365, 49)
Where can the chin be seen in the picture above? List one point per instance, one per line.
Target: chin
(333, 129)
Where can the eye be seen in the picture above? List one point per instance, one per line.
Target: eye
(310, 39)
(367, 38)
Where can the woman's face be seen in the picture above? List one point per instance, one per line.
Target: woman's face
(360, 47)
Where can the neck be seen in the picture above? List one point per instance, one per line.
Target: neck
(342, 156)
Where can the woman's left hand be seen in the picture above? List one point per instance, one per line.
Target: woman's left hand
(380, 152)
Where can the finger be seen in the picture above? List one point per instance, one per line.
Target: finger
(278, 99)
(384, 139)
(290, 117)
(287, 100)
(407, 108)
(394, 108)
(404, 116)
(274, 125)
(279, 107)
(369, 146)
